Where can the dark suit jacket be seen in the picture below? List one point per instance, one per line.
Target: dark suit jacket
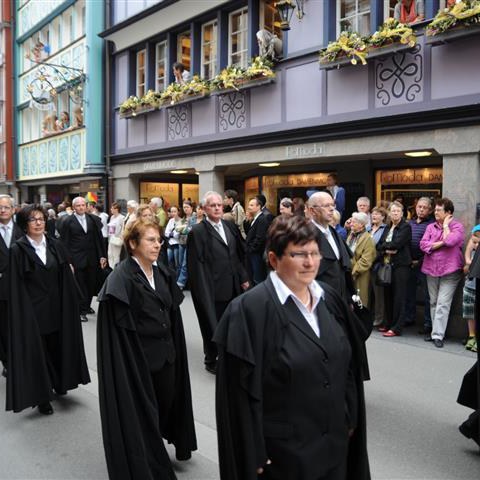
(335, 272)
(401, 240)
(268, 215)
(85, 249)
(4, 260)
(257, 235)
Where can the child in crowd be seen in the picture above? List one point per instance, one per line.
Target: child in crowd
(469, 289)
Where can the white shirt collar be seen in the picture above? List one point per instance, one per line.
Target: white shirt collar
(320, 226)
(283, 292)
(212, 223)
(9, 225)
(35, 244)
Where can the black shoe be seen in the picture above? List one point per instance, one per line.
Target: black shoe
(60, 393)
(83, 318)
(428, 337)
(438, 343)
(90, 311)
(45, 409)
(211, 369)
(4, 372)
(466, 431)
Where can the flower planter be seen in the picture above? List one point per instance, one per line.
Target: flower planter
(140, 110)
(392, 48)
(452, 35)
(245, 85)
(339, 63)
(186, 99)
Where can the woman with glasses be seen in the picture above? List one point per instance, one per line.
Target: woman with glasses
(144, 385)
(46, 353)
(291, 366)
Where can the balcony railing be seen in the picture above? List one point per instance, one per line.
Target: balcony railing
(59, 155)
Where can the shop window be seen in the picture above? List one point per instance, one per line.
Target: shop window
(184, 46)
(269, 18)
(354, 16)
(160, 66)
(238, 38)
(209, 50)
(141, 74)
(67, 27)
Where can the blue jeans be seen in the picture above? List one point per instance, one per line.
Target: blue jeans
(417, 278)
(183, 274)
(173, 254)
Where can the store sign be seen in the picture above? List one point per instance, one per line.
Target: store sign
(412, 176)
(301, 180)
(306, 150)
(159, 165)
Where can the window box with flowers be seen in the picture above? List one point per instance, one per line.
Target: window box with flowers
(134, 106)
(391, 37)
(232, 78)
(459, 21)
(348, 49)
(178, 93)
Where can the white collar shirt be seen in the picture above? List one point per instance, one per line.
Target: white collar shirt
(316, 291)
(328, 235)
(151, 280)
(256, 216)
(219, 228)
(40, 248)
(7, 232)
(82, 219)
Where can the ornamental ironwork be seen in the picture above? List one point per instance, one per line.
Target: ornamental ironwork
(179, 122)
(232, 111)
(399, 78)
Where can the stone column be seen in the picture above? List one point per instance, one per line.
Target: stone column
(211, 180)
(461, 180)
(126, 188)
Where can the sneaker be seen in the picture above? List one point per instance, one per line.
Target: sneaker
(472, 341)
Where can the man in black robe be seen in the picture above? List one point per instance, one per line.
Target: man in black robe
(81, 234)
(215, 270)
(9, 234)
(469, 395)
(335, 268)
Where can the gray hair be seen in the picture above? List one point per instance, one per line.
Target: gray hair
(426, 200)
(210, 193)
(76, 200)
(363, 199)
(318, 196)
(132, 204)
(12, 201)
(360, 217)
(157, 201)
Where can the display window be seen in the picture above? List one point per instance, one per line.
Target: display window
(172, 193)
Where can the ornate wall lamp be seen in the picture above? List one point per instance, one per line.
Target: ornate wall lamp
(285, 10)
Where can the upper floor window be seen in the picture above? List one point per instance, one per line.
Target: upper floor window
(184, 45)
(389, 8)
(269, 18)
(238, 37)
(209, 50)
(160, 66)
(141, 73)
(354, 16)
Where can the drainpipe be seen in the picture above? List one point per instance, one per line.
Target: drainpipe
(108, 110)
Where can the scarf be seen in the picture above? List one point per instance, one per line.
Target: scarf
(408, 14)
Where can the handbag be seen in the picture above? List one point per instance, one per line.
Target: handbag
(117, 241)
(384, 275)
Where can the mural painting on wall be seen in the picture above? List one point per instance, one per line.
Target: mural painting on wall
(232, 111)
(399, 78)
(179, 125)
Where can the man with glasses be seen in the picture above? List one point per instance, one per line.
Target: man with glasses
(335, 267)
(9, 234)
(216, 252)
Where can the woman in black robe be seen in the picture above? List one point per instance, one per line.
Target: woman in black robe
(290, 402)
(144, 386)
(46, 351)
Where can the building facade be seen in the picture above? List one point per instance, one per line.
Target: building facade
(283, 138)
(6, 96)
(59, 104)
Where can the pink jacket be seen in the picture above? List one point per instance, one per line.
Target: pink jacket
(448, 258)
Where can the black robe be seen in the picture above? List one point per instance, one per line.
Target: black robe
(249, 337)
(28, 380)
(133, 442)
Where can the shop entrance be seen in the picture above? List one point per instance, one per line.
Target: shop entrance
(172, 193)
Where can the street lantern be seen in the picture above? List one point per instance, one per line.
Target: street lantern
(285, 10)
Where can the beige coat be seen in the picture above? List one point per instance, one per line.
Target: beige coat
(362, 261)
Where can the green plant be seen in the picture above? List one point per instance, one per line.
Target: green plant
(392, 31)
(348, 44)
(464, 13)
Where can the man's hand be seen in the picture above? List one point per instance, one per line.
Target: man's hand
(103, 263)
(260, 470)
(245, 285)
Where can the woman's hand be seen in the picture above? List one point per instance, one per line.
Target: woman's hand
(447, 220)
(260, 470)
(391, 252)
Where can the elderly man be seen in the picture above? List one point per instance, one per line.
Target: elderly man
(363, 206)
(418, 225)
(335, 267)
(156, 204)
(81, 233)
(215, 268)
(9, 234)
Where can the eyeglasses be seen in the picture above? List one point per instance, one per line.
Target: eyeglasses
(214, 205)
(328, 205)
(4, 208)
(36, 220)
(302, 256)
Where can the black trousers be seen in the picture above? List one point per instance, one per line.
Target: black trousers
(337, 473)
(3, 332)
(395, 296)
(53, 357)
(164, 385)
(87, 280)
(209, 347)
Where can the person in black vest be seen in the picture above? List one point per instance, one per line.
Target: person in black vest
(46, 350)
(215, 268)
(81, 234)
(335, 269)
(265, 211)
(256, 229)
(291, 367)
(10, 232)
